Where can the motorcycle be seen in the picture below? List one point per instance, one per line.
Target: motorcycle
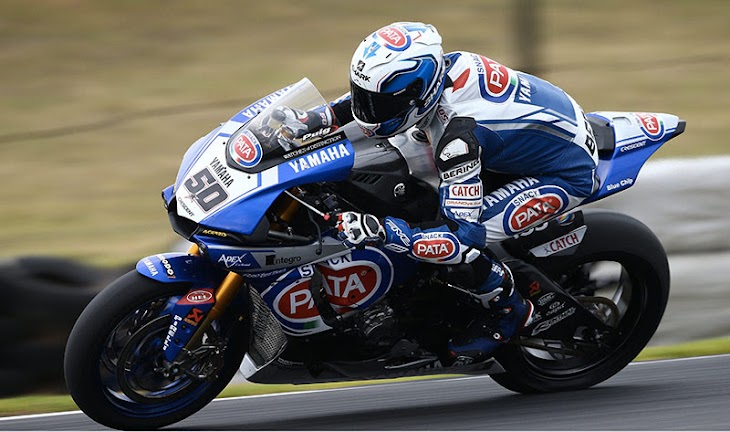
(266, 289)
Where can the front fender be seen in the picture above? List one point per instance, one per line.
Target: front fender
(175, 267)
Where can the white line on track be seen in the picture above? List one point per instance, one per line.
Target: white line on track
(304, 392)
(38, 416)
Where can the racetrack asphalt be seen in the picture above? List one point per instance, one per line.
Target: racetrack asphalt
(686, 394)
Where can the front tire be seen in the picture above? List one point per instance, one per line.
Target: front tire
(113, 360)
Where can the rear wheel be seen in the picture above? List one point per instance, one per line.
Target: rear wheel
(114, 364)
(620, 275)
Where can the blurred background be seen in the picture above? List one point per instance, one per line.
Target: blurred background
(100, 100)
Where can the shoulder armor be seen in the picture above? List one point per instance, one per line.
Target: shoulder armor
(458, 145)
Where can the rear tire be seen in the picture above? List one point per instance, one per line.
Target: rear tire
(102, 337)
(634, 310)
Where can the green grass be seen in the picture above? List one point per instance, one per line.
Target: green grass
(690, 349)
(94, 194)
(33, 404)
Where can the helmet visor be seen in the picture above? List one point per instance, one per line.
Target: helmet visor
(375, 107)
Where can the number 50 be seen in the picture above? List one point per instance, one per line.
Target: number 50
(206, 189)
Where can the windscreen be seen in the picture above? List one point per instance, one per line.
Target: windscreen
(264, 138)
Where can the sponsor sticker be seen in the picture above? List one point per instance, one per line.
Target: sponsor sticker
(210, 232)
(168, 267)
(339, 136)
(171, 331)
(246, 150)
(632, 146)
(220, 170)
(545, 325)
(278, 260)
(435, 247)
(150, 266)
(547, 298)
(320, 157)
(358, 74)
(561, 243)
(394, 38)
(534, 289)
(495, 80)
(469, 215)
(505, 192)
(352, 285)
(243, 260)
(651, 125)
(194, 317)
(532, 207)
(198, 296)
(354, 280)
(295, 302)
(623, 183)
(318, 133)
(525, 90)
(462, 170)
(463, 203)
(466, 191)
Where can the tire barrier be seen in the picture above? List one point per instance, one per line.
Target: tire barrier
(41, 299)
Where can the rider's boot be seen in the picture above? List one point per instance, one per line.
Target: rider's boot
(508, 313)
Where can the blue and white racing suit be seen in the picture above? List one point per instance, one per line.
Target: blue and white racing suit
(492, 120)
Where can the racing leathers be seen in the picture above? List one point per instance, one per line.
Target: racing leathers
(493, 122)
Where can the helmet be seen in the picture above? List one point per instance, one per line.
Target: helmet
(396, 78)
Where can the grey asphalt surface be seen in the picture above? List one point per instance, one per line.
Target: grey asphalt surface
(688, 394)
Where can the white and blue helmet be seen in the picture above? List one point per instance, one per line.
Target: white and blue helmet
(396, 78)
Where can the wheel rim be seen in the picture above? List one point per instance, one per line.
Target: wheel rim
(131, 365)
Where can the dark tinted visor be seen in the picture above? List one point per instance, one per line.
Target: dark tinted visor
(374, 107)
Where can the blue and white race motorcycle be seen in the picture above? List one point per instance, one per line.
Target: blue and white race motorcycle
(267, 290)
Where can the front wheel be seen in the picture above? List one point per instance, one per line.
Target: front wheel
(114, 364)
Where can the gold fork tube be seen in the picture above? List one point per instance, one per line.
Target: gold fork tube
(194, 249)
(224, 295)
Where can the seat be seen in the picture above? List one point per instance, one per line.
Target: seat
(603, 132)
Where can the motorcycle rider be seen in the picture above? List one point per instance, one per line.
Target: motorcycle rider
(484, 121)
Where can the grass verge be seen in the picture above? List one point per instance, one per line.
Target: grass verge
(33, 404)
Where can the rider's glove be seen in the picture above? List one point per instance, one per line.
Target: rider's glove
(359, 229)
(291, 123)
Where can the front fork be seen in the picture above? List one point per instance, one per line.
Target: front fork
(224, 295)
(211, 294)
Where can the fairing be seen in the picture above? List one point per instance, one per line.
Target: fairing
(637, 137)
(229, 178)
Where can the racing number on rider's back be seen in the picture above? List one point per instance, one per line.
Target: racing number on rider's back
(206, 189)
